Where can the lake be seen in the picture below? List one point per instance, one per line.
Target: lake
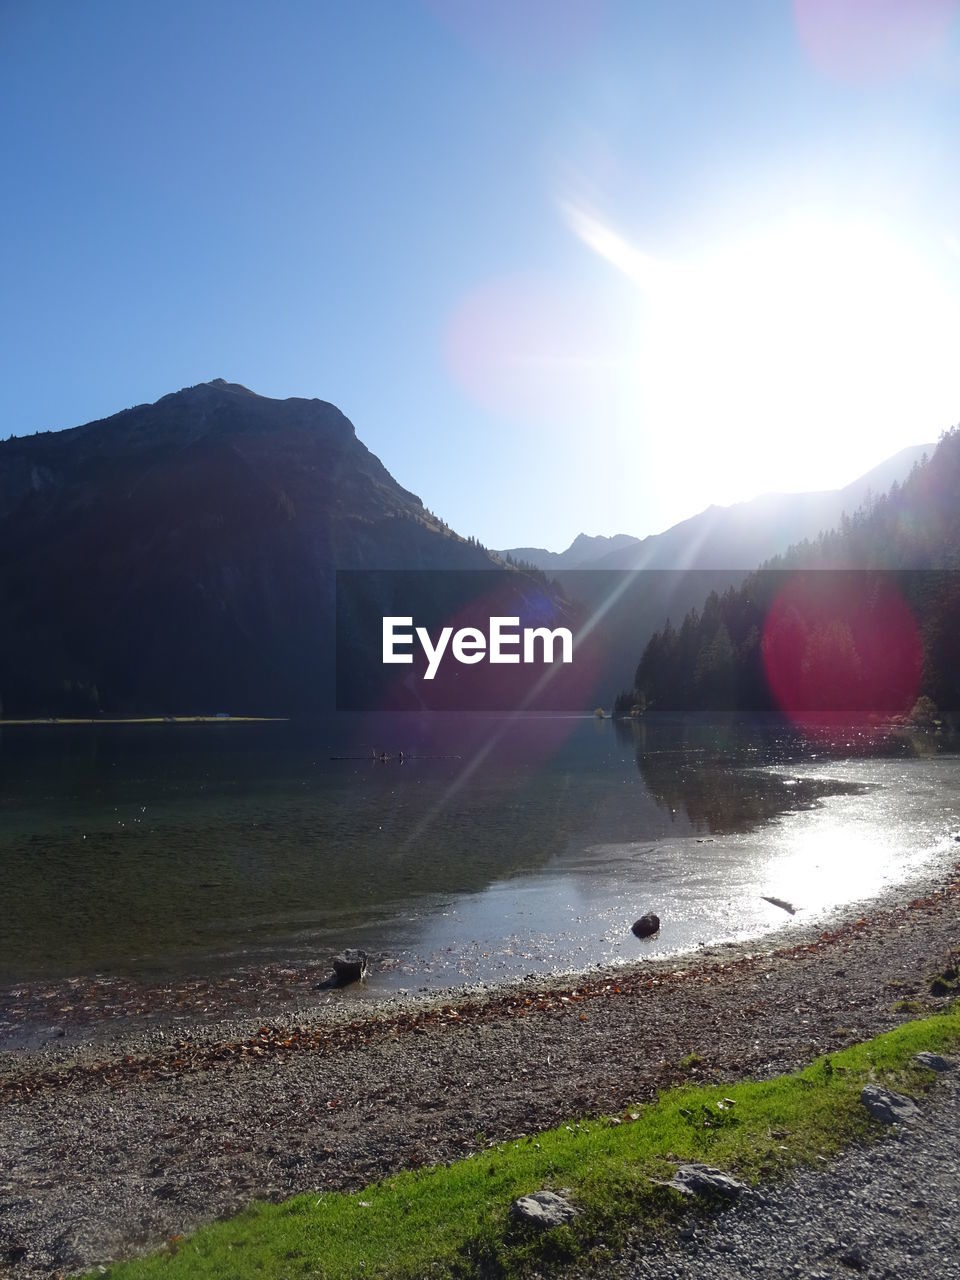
(494, 849)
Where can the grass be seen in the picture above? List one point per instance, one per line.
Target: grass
(452, 1220)
(907, 1006)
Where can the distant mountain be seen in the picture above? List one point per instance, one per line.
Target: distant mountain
(182, 555)
(861, 619)
(714, 550)
(579, 555)
(736, 537)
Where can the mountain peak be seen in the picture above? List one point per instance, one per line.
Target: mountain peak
(584, 548)
(203, 390)
(222, 385)
(230, 406)
(588, 542)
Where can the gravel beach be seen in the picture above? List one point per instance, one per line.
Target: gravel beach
(112, 1146)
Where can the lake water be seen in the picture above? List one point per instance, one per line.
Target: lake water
(495, 849)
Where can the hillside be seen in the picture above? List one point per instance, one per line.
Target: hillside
(181, 555)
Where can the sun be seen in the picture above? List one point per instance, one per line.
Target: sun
(792, 358)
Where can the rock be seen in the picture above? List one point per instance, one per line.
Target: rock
(350, 966)
(888, 1107)
(704, 1180)
(853, 1258)
(933, 1061)
(946, 983)
(543, 1209)
(646, 925)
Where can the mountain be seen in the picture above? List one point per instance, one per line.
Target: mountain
(735, 537)
(182, 555)
(711, 552)
(579, 555)
(861, 620)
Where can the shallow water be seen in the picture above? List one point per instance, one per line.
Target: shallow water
(495, 849)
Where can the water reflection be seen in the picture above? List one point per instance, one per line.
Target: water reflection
(717, 774)
(724, 800)
(188, 849)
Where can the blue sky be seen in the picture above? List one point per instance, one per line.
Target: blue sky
(566, 264)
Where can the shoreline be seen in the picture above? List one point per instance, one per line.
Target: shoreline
(197, 995)
(188, 719)
(114, 1150)
(285, 998)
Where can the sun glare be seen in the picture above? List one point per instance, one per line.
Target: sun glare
(792, 359)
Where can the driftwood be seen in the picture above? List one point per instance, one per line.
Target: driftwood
(781, 903)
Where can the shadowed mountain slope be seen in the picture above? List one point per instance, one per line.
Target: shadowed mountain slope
(182, 555)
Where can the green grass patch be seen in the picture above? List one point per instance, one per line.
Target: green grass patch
(452, 1220)
(907, 1006)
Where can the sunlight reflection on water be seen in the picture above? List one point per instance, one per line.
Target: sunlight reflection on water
(706, 889)
(131, 852)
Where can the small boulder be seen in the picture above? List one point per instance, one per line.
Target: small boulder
(704, 1180)
(350, 966)
(543, 1210)
(946, 983)
(933, 1061)
(853, 1258)
(888, 1107)
(646, 926)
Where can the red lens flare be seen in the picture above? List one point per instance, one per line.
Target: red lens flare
(842, 649)
(869, 40)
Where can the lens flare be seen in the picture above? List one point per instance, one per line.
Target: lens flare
(869, 40)
(842, 648)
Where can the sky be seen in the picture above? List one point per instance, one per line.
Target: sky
(567, 265)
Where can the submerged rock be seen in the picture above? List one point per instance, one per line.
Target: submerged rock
(646, 925)
(543, 1209)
